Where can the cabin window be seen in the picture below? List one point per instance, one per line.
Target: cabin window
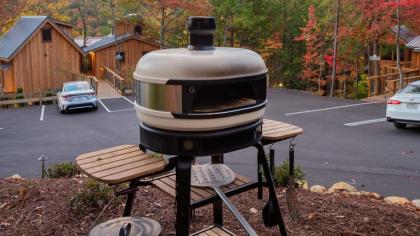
(137, 29)
(120, 56)
(46, 35)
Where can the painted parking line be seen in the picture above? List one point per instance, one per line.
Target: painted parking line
(128, 100)
(41, 118)
(130, 109)
(364, 122)
(103, 105)
(330, 108)
(1, 128)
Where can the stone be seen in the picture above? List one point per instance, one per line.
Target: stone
(253, 210)
(397, 200)
(416, 203)
(342, 186)
(303, 184)
(318, 189)
(15, 177)
(371, 194)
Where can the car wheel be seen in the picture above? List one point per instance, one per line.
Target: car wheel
(400, 125)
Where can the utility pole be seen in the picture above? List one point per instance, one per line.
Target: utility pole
(337, 20)
(397, 45)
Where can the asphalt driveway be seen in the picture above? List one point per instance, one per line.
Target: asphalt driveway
(343, 140)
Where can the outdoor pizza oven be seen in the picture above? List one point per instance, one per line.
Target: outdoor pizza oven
(201, 88)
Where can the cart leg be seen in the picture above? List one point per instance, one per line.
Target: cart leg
(217, 205)
(270, 184)
(272, 164)
(183, 195)
(260, 184)
(130, 198)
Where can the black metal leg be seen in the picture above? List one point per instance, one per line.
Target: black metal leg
(260, 183)
(273, 213)
(130, 198)
(272, 164)
(183, 195)
(217, 205)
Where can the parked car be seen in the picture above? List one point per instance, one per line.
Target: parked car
(75, 95)
(404, 107)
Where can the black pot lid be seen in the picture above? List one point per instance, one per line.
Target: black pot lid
(132, 226)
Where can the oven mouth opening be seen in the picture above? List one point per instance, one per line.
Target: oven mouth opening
(223, 97)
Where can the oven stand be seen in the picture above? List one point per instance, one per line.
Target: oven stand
(275, 216)
(217, 205)
(183, 194)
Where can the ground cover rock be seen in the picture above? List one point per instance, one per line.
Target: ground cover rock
(397, 200)
(342, 186)
(318, 189)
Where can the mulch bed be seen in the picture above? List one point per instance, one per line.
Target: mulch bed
(41, 207)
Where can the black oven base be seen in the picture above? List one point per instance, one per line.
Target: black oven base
(200, 143)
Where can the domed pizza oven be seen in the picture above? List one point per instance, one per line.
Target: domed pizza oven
(198, 91)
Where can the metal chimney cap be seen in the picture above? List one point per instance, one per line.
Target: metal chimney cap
(201, 24)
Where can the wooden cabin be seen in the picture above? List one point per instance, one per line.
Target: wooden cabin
(119, 52)
(38, 54)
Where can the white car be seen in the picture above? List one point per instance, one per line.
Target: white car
(404, 107)
(75, 95)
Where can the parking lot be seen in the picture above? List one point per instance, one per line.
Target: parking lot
(343, 140)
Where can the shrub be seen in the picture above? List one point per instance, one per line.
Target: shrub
(62, 170)
(93, 196)
(19, 91)
(362, 88)
(281, 174)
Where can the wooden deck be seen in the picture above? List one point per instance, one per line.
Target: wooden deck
(119, 164)
(105, 90)
(214, 231)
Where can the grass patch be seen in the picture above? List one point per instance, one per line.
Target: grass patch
(62, 170)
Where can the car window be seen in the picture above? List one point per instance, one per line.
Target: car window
(75, 87)
(411, 88)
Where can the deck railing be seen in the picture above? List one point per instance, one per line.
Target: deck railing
(115, 80)
(392, 86)
(377, 84)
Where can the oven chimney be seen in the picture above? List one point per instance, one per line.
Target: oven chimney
(201, 29)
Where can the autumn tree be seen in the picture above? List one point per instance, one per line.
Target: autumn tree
(9, 10)
(314, 45)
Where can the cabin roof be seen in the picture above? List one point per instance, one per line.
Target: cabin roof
(405, 34)
(111, 40)
(14, 39)
(414, 43)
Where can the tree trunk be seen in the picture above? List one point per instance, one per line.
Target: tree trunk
(397, 45)
(82, 16)
(337, 20)
(162, 28)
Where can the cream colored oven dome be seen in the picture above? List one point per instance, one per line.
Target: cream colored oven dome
(183, 64)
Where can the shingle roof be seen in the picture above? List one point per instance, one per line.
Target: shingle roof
(11, 41)
(105, 41)
(414, 43)
(405, 34)
(18, 35)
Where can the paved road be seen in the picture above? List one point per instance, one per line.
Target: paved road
(373, 156)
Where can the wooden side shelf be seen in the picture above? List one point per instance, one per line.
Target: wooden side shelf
(119, 164)
(214, 231)
(275, 131)
(167, 184)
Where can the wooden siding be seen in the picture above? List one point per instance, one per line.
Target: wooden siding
(133, 50)
(40, 66)
(7, 80)
(125, 27)
(415, 59)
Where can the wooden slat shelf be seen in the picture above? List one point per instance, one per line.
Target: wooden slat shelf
(214, 231)
(274, 131)
(167, 184)
(119, 164)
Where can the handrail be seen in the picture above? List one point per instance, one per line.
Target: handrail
(115, 80)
